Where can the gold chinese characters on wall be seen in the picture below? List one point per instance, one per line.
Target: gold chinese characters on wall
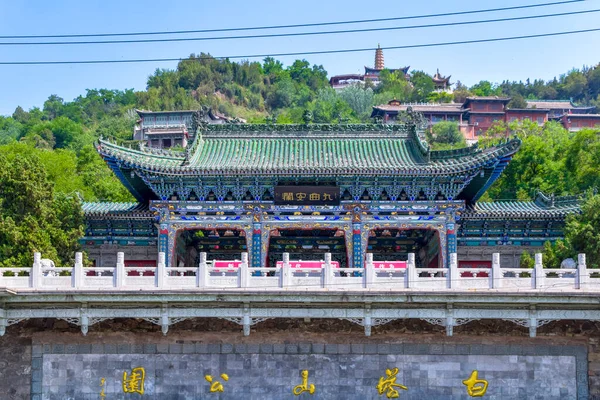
(134, 380)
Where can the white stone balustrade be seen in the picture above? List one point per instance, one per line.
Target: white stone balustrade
(292, 276)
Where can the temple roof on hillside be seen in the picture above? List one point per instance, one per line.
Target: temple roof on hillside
(375, 71)
(555, 104)
(455, 108)
(358, 77)
(147, 112)
(438, 78)
(485, 99)
(593, 116)
(528, 110)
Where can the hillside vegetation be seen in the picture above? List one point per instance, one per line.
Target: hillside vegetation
(60, 135)
(48, 162)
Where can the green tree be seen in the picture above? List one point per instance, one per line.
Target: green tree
(281, 94)
(32, 217)
(272, 66)
(445, 135)
(395, 84)
(574, 85)
(359, 98)
(538, 165)
(526, 260)
(423, 86)
(461, 92)
(485, 88)
(582, 232)
(328, 107)
(517, 101)
(10, 130)
(440, 97)
(582, 160)
(53, 106)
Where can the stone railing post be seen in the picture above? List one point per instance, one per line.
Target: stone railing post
(244, 272)
(411, 273)
(539, 274)
(583, 278)
(286, 273)
(120, 270)
(496, 273)
(202, 275)
(161, 271)
(36, 271)
(78, 274)
(369, 273)
(327, 272)
(454, 275)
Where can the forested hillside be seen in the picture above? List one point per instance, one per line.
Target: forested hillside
(60, 135)
(48, 162)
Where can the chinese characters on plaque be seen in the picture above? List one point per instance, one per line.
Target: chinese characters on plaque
(307, 195)
(133, 382)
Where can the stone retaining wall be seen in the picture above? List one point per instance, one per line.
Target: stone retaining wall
(54, 359)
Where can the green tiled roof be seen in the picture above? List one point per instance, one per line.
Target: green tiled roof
(519, 209)
(109, 208)
(364, 152)
(143, 158)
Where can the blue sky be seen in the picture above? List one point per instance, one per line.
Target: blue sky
(29, 86)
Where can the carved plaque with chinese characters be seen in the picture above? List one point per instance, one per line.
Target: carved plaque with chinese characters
(307, 195)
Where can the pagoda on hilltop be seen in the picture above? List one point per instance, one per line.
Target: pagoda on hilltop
(371, 73)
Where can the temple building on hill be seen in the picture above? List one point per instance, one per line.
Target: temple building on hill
(558, 108)
(371, 74)
(442, 83)
(166, 129)
(307, 190)
(477, 114)
(163, 129)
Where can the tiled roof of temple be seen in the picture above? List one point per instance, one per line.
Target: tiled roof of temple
(554, 104)
(107, 209)
(455, 108)
(308, 150)
(542, 207)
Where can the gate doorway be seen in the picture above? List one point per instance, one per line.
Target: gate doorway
(307, 245)
(394, 244)
(218, 244)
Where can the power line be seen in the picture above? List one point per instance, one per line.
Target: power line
(295, 25)
(275, 35)
(410, 46)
